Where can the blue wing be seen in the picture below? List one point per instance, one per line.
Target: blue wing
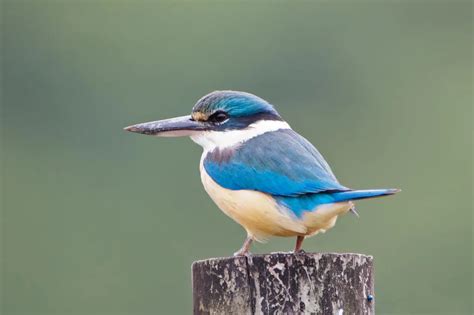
(280, 163)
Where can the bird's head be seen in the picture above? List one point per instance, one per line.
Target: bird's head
(220, 118)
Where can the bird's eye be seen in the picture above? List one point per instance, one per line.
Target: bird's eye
(218, 117)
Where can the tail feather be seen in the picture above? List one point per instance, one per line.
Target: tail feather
(363, 194)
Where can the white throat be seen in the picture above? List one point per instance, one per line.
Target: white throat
(211, 140)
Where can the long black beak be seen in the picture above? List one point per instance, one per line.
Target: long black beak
(173, 127)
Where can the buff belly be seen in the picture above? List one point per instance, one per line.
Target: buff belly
(262, 217)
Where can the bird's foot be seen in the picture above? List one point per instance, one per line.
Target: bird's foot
(299, 252)
(242, 253)
(299, 243)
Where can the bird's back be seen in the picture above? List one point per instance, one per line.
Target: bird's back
(280, 163)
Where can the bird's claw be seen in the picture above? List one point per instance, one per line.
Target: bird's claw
(299, 252)
(242, 253)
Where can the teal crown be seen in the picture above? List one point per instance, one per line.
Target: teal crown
(234, 103)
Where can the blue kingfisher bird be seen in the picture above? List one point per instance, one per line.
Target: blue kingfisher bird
(259, 171)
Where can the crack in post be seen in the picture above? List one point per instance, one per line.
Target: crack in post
(251, 285)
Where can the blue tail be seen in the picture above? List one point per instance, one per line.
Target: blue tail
(363, 194)
(309, 202)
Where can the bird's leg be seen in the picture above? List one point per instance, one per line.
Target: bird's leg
(299, 243)
(244, 250)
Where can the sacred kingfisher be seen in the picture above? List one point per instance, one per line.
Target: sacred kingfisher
(258, 170)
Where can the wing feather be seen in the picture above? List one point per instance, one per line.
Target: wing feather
(280, 163)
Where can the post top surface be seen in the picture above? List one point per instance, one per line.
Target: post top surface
(330, 255)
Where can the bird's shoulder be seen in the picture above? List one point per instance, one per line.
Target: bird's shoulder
(280, 162)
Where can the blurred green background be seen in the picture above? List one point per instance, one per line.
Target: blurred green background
(99, 221)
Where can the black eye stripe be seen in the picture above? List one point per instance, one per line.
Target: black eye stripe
(218, 117)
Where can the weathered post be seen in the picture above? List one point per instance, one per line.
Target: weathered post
(284, 283)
